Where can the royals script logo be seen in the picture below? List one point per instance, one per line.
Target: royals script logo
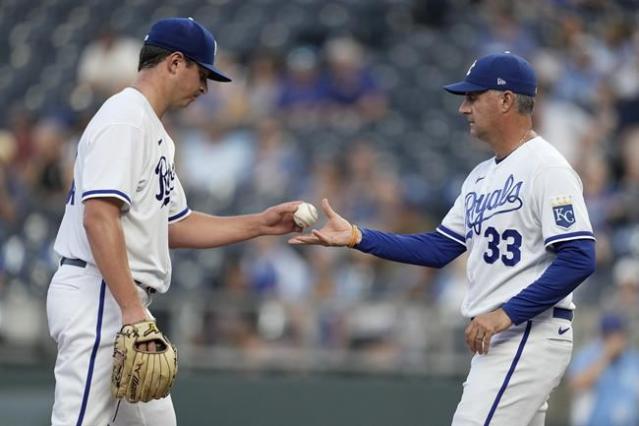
(481, 207)
(166, 177)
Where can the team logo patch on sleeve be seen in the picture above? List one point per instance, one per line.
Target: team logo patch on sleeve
(563, 212)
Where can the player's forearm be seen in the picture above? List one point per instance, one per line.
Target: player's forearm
(427, 249)
(589, 377)
(106, 238)
(574, 263)
(200, 230)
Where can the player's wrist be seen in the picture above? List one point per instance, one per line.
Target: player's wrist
(255, 225)
(507, 316)
(356, 236)
(132, 315)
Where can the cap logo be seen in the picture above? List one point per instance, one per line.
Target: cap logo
(214, 47)
(471, 67)
(501, 82)
(146, 37)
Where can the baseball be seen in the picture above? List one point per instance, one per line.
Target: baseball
(305, 215)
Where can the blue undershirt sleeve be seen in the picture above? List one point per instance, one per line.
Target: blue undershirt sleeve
(575, 261)
(427, 249)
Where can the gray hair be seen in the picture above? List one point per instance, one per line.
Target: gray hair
(525, 104)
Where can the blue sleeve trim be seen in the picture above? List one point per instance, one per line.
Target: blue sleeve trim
(105, 193)
(180, 215)
(575, 261)
(451, 234)
(569, 236)
(428, 249)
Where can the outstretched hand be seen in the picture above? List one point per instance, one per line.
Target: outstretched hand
(336, 232)
(278, 219)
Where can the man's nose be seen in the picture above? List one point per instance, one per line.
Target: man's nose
(464, 108)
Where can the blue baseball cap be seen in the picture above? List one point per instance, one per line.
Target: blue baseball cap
(189, 37)
(612, 323)
(499, 71)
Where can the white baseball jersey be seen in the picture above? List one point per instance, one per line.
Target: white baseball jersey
(507, 216)
(126, 153)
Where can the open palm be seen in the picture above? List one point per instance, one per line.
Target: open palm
(336, 231)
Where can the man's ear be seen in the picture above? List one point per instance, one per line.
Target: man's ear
(507, 101)
(173, 62)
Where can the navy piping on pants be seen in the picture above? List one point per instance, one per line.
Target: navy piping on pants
(96, 344)
(520, 349)
(117, 408)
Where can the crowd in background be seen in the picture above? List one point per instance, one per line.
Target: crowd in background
(358, 117)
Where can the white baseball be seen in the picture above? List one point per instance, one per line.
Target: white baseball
(305, 215)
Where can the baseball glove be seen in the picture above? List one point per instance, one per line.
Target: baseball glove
(140, 375)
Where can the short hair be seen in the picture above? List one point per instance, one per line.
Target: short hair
(151, 55)
(525, 103)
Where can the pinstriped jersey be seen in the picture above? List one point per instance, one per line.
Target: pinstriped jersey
(126, 153)
(508, 216)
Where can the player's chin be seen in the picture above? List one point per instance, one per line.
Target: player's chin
(472, 129)
(188, 101)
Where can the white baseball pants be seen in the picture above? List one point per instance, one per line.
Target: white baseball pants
(83, 320)
(511, 384)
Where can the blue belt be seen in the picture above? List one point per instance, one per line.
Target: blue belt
(82, 264)
(562, 313)
(73, 262)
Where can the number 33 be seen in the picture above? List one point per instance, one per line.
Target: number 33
(513, 241)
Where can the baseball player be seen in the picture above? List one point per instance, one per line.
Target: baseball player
(123, 212)
(522, 218)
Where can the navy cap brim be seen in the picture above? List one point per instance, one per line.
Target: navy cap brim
(463, 87)
(214, 74)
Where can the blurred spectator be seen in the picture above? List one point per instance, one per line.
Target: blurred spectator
(7, 208)
(371, 330)
(371, 186)
(279, 274)
(277, 163)
(579, 79)
(624, 216)
(566, 124)
(604, 377)
(624, 76)
(325, 180)
(599, 196)
(233, 323)
(21, 125)
(277, 270)
(354, 281)
(214, 161)
(625, 83)
(262, 84)
(50, 171)
(504, 31)
(350, 85)
(108, 64)
(301, 96)
(623, 297)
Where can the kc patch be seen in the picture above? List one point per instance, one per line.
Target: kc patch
(563, 212)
